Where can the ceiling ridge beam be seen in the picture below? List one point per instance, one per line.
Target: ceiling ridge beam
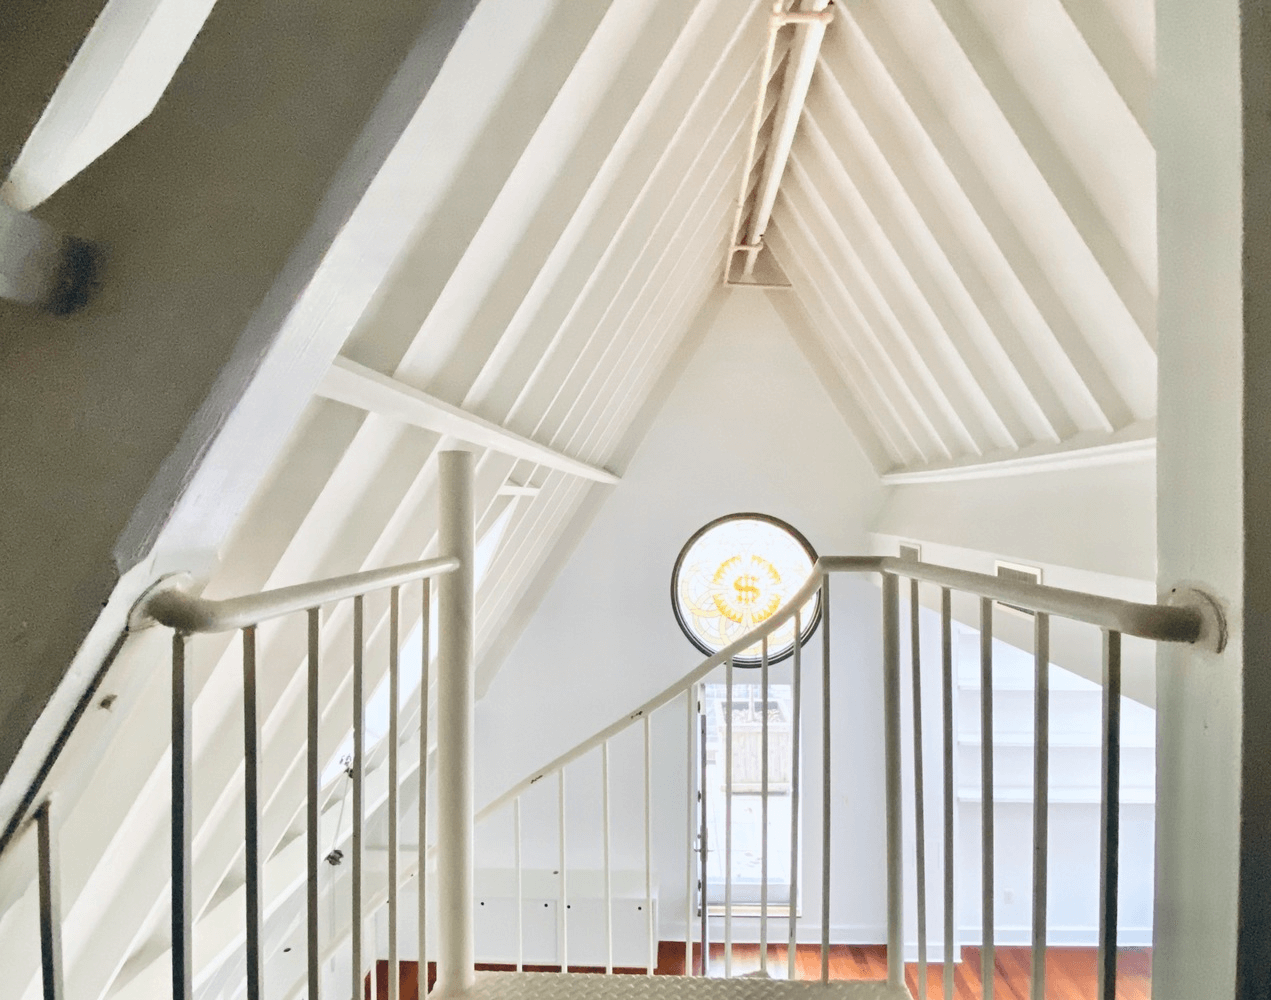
(353, 384)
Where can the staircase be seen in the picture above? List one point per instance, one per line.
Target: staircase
(225, 944)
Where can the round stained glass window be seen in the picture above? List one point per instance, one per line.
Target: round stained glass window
(736, 573)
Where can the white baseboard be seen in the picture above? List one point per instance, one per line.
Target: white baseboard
(1059, 937)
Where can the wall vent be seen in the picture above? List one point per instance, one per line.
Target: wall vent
(1017, 574)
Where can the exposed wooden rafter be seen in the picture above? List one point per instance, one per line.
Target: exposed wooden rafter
(356, 385)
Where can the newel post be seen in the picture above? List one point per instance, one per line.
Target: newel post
(455, 699)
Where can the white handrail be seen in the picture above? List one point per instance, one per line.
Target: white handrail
(169, 602)
(1162, 623)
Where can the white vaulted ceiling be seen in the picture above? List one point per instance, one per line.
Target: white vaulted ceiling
(967, 224)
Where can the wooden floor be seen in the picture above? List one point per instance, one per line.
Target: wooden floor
(1070, 972)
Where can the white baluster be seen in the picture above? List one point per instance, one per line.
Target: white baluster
(690, 888)
(520, 894)
(394, 694)
(891, 757)
(312, 957)
(763, 809)
(825, 779)
(251, 819)
(650, 927)
(357, 767)
(793, 940)
(421, 847)
(728, 825)
(182, 828)
(1110, 829)
(920, 827)
(50, 903)
(604, 806)
(946, 675)
(987, 954)
(1041, 798)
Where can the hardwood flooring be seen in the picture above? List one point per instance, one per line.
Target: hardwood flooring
(1070, 972)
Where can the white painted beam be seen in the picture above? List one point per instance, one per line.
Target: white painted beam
(356, 385)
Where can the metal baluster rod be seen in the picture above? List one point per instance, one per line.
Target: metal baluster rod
(50, 904)
(946, 675)
(701, 883)
(825, 779)
(728, 823)
(920, 827)
(763, 811)
(891, 739)
(690, 809)
(421, 860)
(182, 828)
(394, 695)
(1041, 797)
(792, 942)
(312, 956)
(251, 818)
(520, 891)
(650, 928)
(987, 952)
(1110, 819)
(604, 807)
(564, 897)
(358, 769)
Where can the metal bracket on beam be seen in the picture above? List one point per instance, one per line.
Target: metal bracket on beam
(804, 16)
(43, 268)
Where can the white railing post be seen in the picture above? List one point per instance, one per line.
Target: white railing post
(455, 698)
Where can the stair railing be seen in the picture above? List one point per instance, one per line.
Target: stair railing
(172, 603)
(1193, 618)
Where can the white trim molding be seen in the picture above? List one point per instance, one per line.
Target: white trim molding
(1075, 456)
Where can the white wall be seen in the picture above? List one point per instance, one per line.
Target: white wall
(748, 427)
(1099, 518)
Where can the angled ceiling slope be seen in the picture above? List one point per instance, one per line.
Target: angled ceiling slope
(968, 216)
